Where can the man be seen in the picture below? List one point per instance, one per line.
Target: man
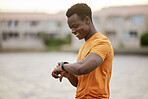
(92, 71)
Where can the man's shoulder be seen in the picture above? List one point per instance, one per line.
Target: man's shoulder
(100, 36)
(100, 39)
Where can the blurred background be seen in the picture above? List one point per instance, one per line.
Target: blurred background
(34, 37)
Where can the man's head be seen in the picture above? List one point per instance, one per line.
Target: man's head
(80, 20)
(81, 9)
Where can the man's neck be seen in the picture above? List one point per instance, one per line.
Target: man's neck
(91, 33)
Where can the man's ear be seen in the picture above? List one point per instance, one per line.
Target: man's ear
(87, 20)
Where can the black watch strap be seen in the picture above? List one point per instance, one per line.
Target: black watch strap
(63, 66)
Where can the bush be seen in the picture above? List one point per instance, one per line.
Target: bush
(67, 39)
(144, 39)
(54, 43)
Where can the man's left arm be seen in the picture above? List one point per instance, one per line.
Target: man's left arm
(85, 66)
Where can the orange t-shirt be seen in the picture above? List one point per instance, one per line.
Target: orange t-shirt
(95, 85)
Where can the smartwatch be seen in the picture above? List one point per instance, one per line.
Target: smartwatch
(63, 66)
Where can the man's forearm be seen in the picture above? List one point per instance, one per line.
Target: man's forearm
(73, 79)
(85, 66)
(74, 68)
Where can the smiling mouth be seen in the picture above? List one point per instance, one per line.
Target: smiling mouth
(77, 34)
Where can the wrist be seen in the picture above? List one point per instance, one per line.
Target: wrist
(62, 66)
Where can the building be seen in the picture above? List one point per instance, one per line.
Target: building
(124, 25)
(21, 30)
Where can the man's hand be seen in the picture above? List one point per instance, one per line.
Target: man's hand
(59, 73)
(56, 72)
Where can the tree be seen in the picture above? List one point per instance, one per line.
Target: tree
(144, 39)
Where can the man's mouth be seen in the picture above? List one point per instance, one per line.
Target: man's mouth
(77, 34)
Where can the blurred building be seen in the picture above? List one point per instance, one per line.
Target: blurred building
(124, 25)
(21, 30)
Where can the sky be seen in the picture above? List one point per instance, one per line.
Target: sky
(54, 6)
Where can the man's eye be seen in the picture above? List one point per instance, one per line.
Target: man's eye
(75, 26)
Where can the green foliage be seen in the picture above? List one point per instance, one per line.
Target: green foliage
(54, 43)
(68, 39)
(144, 39)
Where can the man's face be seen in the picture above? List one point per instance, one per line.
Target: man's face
(79, 28)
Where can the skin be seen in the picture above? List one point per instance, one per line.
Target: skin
(83, 29)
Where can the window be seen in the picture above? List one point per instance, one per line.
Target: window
(52, 24)
(12, 23)
(138, 19)
(34, 23)
(59, 24)
(132, 35)
(111, 35)
(10, 35)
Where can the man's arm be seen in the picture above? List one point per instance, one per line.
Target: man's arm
(85, 66)
(73, 79)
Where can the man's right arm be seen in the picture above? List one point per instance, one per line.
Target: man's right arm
(73, 79)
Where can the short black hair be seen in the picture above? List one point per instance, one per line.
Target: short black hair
(81, 9)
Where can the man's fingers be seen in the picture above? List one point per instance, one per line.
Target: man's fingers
(58, 72)
(60, 78)
(62, 75)
(59, 63)
(55, 75)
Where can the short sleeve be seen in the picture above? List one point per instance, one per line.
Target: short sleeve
(101, 48)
